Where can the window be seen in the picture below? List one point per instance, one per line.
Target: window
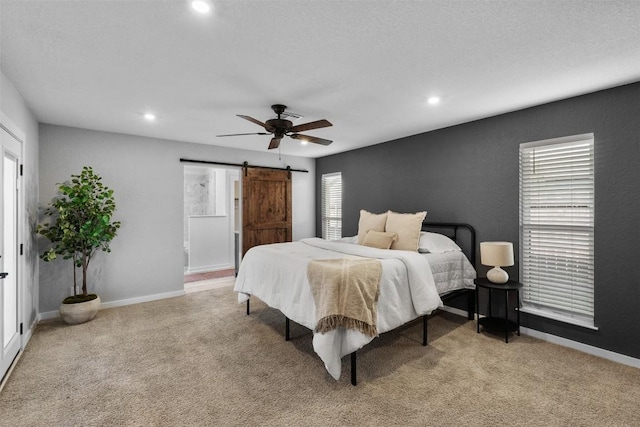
(332, 206)
(556, 228)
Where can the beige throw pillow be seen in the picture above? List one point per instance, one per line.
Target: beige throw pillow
(379, 239)
(408, 227)
(369, 221)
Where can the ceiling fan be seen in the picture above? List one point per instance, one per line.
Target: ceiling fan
(280, 127)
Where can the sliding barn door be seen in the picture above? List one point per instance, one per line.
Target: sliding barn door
(266, 207)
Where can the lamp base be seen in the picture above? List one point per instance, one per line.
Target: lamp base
(497, 275)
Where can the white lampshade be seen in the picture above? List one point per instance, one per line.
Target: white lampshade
(496, 254)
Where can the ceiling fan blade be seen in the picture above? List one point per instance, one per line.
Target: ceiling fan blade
(239, 134)
(313, 139)
(311, 125)
(252, 120)
(275, 143)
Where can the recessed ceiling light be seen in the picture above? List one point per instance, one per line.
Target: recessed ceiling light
(200, 6)
(304, 142)
(149, 117)
(433, 100)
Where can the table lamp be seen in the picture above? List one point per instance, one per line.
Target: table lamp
(496, 254)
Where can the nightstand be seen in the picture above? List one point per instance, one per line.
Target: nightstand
(495, 323)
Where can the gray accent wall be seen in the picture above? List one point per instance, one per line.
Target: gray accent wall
(469, 173)
(148, 182)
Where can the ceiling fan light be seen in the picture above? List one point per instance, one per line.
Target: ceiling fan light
(301, 138)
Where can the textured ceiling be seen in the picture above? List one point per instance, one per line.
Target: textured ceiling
(366, 66)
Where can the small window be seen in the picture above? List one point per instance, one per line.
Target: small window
(332, 206)
(556, 228)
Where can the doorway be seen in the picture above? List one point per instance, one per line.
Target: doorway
(212, 222)
(9, 225)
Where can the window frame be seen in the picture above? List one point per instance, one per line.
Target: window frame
(331, 208)
(570, 210)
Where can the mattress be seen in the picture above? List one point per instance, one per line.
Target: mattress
(451, 271)
(277, 274)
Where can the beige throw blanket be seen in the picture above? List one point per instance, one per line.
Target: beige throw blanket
(345, 292)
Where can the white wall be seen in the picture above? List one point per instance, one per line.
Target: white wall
(147, 178)
(15, 109)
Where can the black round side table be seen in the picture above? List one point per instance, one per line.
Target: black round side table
(496, 323)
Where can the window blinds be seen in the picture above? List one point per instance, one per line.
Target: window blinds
(332, 206)
(556, 227)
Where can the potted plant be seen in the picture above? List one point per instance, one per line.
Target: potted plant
(81, 224)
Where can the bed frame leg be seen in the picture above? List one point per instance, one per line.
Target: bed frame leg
(471, 304)
(424, 330)
(248, 308)
(353, 369)
(287, 329)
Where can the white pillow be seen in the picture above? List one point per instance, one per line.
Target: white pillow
(436, 243)
(350, 239)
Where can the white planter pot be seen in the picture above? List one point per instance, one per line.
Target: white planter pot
(74, 314)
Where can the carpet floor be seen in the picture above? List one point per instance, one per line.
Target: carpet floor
(199, 360)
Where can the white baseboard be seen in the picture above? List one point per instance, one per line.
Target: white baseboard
(10, 370)
(119, 303)
(585, 348)
(454, 310)
(24, 341)
(29, 333)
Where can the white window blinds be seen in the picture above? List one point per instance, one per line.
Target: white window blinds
(556, 228)
(332, 206)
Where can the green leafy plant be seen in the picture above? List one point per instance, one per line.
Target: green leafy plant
(81, 224)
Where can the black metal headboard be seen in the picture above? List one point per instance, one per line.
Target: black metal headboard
(453, 227)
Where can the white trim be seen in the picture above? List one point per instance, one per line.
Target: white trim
(48, 315)
(554, 339)
(119, 303)
(10, 370)
(29, 333)
(559, 317)
(11, 127)
(18, 136)
(454, 310)
(26, 337)
(556, 220)
(585, 348)
(560, 140)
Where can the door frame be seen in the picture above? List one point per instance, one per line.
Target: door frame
(17, 135)
(233, 176)
(230, 174)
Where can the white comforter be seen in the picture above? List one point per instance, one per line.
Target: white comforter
(277, 274)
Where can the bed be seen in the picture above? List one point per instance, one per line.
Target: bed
(412, 284)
